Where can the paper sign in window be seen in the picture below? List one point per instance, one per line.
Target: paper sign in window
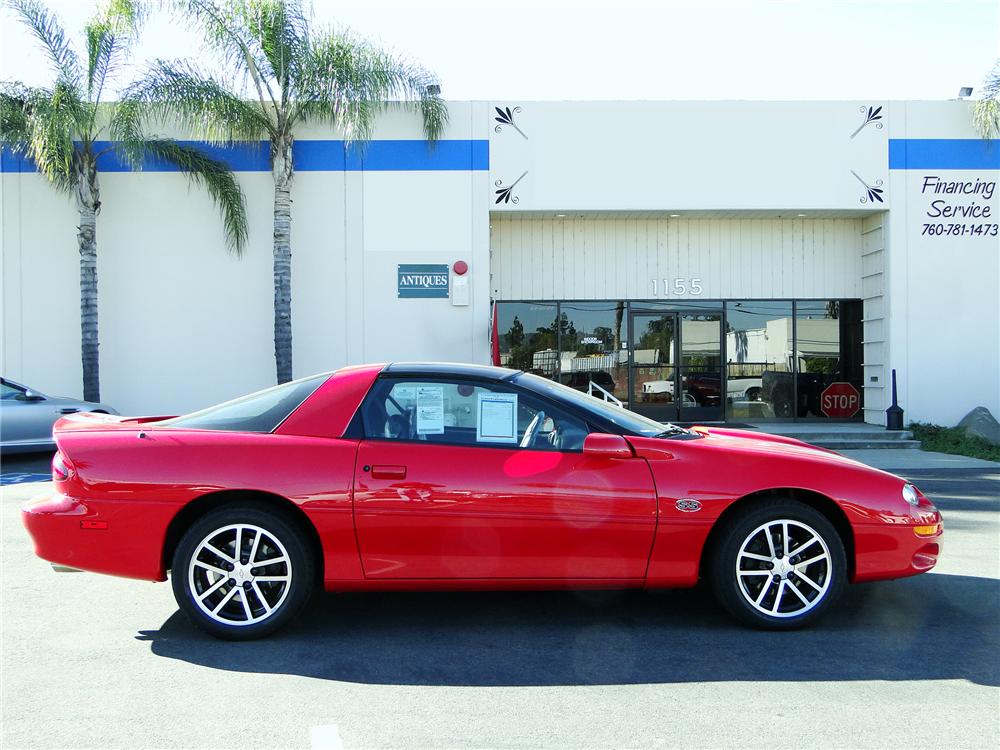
(430, 410)
(404, 392)
(496, 418)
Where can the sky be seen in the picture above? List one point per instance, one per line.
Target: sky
(560, 49)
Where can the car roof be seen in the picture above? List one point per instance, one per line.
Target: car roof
(450, 369)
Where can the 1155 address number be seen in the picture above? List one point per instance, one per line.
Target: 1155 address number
(678, 286)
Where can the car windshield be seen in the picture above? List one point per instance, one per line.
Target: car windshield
(621, 417)
(259, 412)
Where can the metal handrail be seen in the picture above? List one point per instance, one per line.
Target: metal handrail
(592, 386)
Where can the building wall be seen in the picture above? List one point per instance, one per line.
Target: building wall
(543, 257)
(944, 314)
(875, 324)
(184, 324)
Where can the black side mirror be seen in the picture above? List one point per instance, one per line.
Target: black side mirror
(30, 395)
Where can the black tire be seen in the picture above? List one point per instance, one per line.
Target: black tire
(743, 533)
(272, 603)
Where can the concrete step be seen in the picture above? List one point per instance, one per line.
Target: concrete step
(856, 444)
(844, 436)
(874, 436)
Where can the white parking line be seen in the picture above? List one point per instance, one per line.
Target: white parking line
(325, 737)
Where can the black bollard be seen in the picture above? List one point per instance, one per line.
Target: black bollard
(894, 414)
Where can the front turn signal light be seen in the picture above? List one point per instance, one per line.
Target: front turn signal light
(930, 530)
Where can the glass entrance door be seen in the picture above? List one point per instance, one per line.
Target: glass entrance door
(675, 366)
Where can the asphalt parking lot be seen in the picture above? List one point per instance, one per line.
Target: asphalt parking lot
(92, 661)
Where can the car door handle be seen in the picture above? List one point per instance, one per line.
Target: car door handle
(386, 471)
(69, 410)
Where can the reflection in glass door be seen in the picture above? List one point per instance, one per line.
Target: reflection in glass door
(701, 367)
(653, 376)
(676, 366)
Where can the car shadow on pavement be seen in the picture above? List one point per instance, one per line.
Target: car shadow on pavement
(925, 628)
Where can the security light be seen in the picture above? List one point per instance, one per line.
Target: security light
(965, 92)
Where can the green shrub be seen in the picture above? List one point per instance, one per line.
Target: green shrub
(934, 437)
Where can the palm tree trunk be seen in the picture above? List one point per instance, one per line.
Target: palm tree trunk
(88, 203)
(281, 168)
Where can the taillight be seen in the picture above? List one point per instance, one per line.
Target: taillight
(62, 469)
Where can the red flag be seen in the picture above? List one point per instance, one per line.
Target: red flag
(495, 339)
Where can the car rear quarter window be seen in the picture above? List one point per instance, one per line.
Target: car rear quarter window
(259, 412)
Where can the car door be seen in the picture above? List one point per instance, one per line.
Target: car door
(448, 486)
(24, 420)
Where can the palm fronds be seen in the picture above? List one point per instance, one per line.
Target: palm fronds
(986, 115)
(216, 177)
(46, 28)
(180, 94)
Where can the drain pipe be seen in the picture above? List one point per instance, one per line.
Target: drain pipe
(894, 414)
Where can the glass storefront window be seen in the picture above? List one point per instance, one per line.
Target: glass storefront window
(528, 340)
(828, 352)
(781, 357)
(760, 379)
(591, 339)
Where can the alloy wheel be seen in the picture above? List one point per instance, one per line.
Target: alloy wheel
(240, 574)
(783, 568)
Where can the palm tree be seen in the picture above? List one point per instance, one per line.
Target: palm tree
(59, 128)
(282, 72)
(987, 112)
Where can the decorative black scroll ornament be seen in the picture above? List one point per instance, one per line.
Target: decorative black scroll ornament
(873, 192)
(504, 117)
(871, 117)
(506, 194)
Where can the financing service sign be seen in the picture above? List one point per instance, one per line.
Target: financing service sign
(422, 280)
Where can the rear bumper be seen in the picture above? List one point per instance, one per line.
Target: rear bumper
(114, 537)
(886, 551)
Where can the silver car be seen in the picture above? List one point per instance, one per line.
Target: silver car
(27, 416)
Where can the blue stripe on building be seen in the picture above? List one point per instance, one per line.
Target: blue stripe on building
(313, 156)
(944, 153)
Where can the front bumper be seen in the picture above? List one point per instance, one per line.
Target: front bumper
(115, 537)
(897, 550)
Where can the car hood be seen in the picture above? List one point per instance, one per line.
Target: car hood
(749, 444)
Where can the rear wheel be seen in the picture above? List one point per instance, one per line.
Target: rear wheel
(779, 564)
(242, 571)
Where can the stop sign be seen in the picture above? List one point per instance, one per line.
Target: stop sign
(840, 400)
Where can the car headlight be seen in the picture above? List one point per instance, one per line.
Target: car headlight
(911, 495)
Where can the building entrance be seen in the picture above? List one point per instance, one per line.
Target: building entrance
(675, 366)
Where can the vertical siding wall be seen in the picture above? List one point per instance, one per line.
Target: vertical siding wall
(617, 258)
(877, 382)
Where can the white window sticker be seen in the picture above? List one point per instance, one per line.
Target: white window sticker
(496, 418)
(404, 392)
(430, 409)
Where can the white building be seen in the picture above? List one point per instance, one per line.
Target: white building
(748, 254)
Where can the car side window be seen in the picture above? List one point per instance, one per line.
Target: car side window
(464, 412)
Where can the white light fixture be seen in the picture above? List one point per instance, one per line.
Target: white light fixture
(800, 215)
(674, 216)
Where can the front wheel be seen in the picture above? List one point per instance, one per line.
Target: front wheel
(779, 564)
(242, 572)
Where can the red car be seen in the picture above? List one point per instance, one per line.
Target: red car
(437, 476)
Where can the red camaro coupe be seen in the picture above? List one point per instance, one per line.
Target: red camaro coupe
(438, 476)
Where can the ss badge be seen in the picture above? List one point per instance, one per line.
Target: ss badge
(688, 506)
